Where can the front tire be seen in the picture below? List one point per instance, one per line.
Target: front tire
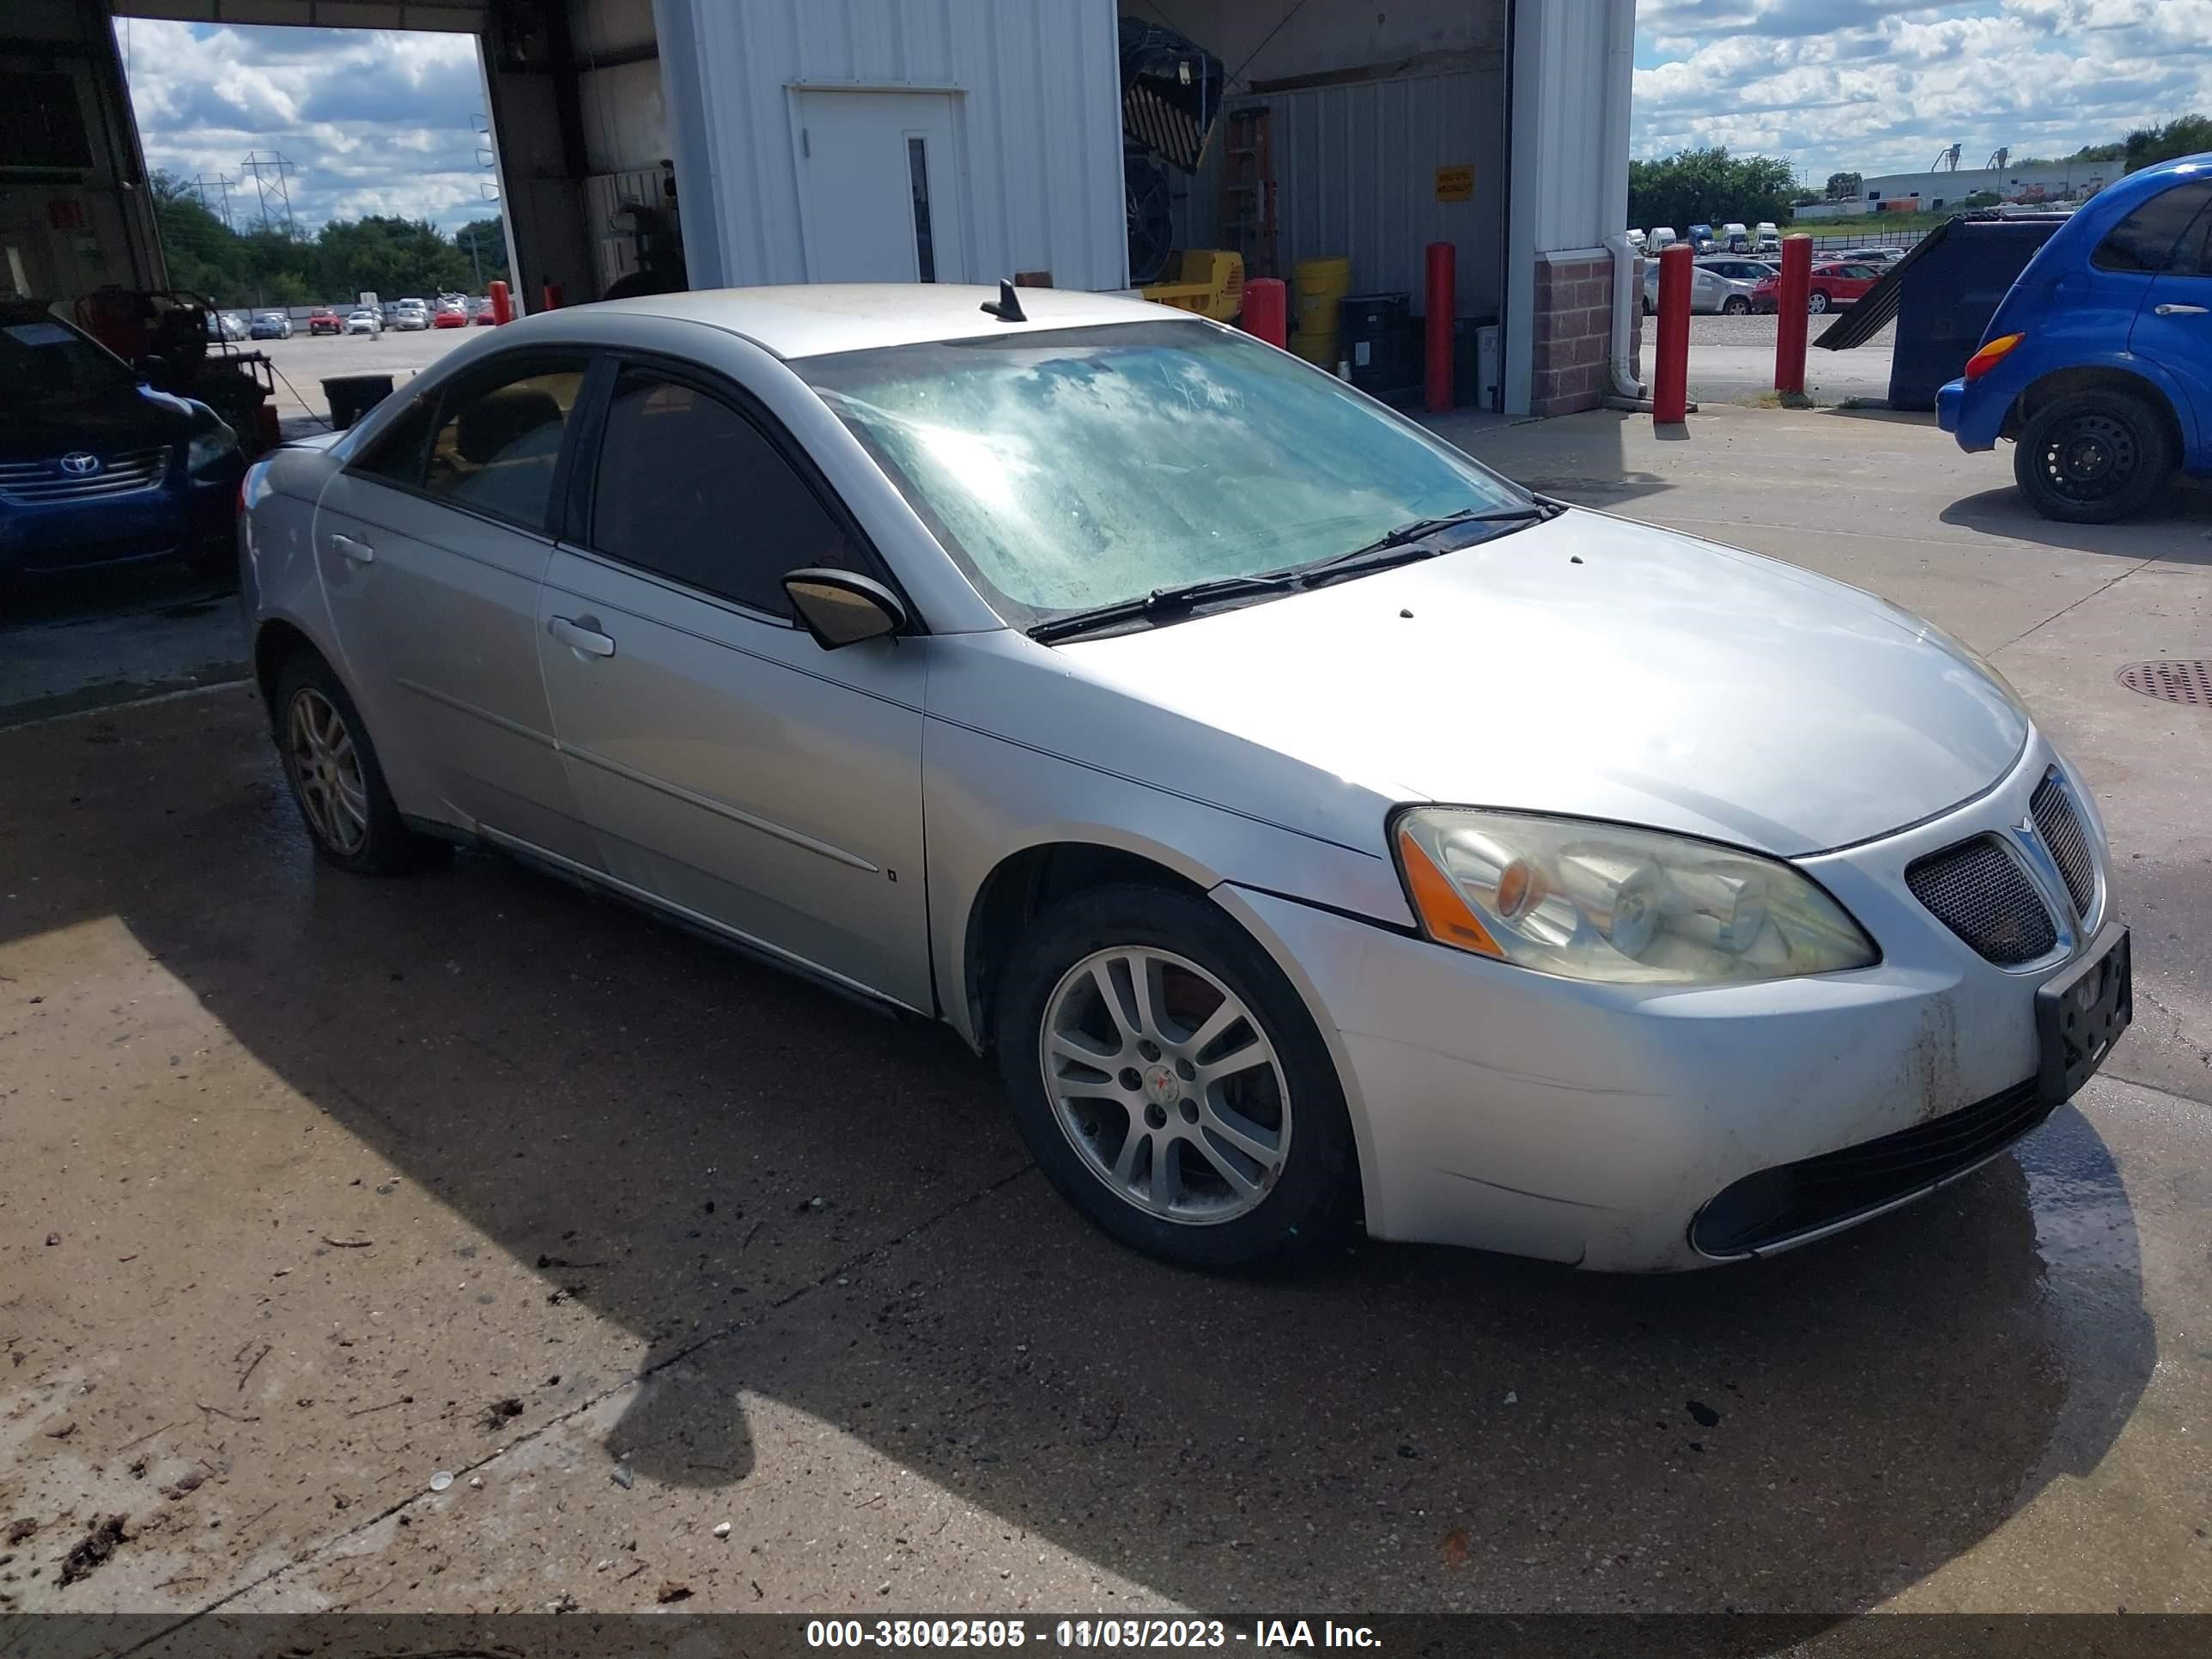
(335, 781)
(1171, 1083)
(1816, 302)
(1735, 306)
(2092, 456)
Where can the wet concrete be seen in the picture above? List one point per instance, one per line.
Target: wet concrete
(355, 1182)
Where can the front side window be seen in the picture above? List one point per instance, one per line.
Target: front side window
(2148, 239)
(690, 490)
(498, 442)
(1075, 468)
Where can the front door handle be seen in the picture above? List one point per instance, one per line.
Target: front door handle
(2178, 310)
(359, 552)
(582, 634)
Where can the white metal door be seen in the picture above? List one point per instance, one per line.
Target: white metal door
(880, 177)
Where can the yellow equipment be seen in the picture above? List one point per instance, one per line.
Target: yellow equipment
(1317, 285)
(1210, 281)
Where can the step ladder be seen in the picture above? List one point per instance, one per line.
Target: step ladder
(1248, 189)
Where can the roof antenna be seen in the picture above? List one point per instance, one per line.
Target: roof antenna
(1008, 307)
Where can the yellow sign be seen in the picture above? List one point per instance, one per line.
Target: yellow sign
(1454, 184)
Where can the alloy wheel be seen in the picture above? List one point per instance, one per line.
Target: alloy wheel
(1816, 301)
(1165, 1085)
(326, 766)
(2090, 457)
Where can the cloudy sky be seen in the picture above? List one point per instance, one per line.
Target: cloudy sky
(1874, 86)
(373, 121)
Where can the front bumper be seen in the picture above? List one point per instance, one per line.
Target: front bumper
(1510, 1110)
(183, 514)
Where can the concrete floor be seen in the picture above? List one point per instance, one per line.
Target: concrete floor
(312, 1187)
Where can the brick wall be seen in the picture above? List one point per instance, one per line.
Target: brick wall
(1573, 323)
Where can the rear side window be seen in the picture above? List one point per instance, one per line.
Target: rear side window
(690, 489)
(2152, 238)
(498, 442)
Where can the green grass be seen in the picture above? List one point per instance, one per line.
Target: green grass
(1860, 223)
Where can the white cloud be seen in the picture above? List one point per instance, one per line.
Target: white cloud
(373, 121)
(1872, 86)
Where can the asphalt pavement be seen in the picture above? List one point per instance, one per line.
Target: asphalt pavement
(315, 1191)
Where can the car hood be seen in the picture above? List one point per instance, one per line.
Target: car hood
(125, 417)
(1598, 668)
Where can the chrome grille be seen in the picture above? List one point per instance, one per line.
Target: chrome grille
(1978, 891)
(2056, 821)
(36, 482)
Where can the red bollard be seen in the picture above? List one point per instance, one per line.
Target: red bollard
(1790, 298)
(1670, 367)
(553, 299)
(502, 304)
(1443, 305)
(1266, 310)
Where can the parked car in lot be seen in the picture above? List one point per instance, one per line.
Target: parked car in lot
(1711, 290)
(366, 321)
(225, 326)
(1832, 285)
(453, 312)
(410, 314)
(2097, 362)
(1870, 256)
(485, 317)
(1754, 272)
(270, 325)
(97, 468)
(323, 321)
(965, 662)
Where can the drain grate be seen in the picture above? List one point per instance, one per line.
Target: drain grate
(2172, 682)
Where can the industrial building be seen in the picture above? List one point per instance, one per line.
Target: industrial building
(955, 139)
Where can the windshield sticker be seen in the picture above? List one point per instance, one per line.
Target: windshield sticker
(38, 334)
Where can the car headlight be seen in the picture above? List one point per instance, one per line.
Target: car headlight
(210, 445)
(1605, 901)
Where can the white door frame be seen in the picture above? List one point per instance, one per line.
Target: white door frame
(793, 98)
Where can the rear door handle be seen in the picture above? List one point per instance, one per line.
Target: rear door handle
(2178, 310)
(582, 634)
(359, 552)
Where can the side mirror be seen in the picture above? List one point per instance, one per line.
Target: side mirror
(841, 608)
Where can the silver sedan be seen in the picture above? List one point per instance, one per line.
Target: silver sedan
(1320, 830)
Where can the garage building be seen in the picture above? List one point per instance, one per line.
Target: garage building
(950, 140)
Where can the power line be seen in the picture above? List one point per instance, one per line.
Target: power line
(268, 179)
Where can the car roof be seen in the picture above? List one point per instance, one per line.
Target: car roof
(813, 319)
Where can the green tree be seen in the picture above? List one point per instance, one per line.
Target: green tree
(1843, 187)
(1709, 186)
(2185, 135)
(486, 239)
(389, 257)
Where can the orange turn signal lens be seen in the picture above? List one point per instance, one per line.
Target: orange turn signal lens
(1443, 912)
(1991, 355)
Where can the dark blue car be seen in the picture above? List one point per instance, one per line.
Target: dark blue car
(2099, 363)
(97, 468)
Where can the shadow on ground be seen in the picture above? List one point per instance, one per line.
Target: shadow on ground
(2176, 527)
(586, 1086)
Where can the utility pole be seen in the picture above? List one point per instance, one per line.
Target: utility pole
(268, 178)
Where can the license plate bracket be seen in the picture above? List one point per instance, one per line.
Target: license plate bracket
(2081, 1013)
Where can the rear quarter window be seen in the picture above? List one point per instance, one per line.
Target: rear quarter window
(2150, 239)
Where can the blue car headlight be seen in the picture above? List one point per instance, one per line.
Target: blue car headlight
(210, 445)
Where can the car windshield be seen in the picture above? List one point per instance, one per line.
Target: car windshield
(1076, 468)
(44, 361)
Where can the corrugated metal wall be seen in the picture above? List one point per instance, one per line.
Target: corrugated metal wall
(1039, 123)
(1355, 171)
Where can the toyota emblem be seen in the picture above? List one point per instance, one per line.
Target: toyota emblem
(80, 463)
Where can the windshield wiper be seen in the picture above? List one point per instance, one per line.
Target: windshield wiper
(1416, 540)
(1160, 602)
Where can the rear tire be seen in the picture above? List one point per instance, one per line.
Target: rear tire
(2092, 456)
(1207, 1134)
(1735, 306)
(335, 781)
(1816, 302)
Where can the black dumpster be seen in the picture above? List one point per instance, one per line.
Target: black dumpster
(1943, 293)
(352, 396)
(1375, 335)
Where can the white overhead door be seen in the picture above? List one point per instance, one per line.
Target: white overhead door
(880, 195)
